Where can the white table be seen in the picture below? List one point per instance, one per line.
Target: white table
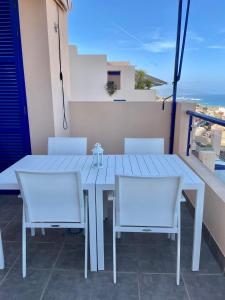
(55, 162)
(148, 165)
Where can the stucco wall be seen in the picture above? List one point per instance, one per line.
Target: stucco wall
(33, 25)
(214, 208)
(41, 68)
(109, 122)
(56, 85)
(88, 77)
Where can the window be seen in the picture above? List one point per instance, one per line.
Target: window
(114, 78)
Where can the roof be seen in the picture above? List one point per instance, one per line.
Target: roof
(156, 81)
(118, 63)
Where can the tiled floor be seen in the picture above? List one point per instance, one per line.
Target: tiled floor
(146, 265)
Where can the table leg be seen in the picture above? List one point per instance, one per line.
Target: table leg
(199, 206)
(92, 228)
(100, 228)
(2, 264)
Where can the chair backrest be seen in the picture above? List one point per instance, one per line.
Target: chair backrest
(144, 146)
(67, 145)
(52, 196)
(147, 201)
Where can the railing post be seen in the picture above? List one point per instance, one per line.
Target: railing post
(189, 134)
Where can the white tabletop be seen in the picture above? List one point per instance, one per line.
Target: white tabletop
(146, 165)
(137, 165)
(82, 163)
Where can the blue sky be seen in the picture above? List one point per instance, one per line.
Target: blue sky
(143, 32)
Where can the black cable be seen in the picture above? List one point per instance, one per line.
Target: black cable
(65, 124)
(164, 100)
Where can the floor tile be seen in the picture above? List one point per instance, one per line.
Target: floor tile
(76, 237)
(156, 259)
(10, 213)
(161, 287)
(11, 252)
(14, 287)
(208, 264)
(103, 287)
(205, 287)
(10, 200)
(126, 258)
(52, 235)
(69, 285)
(3, 226)
(186, 217)
(13, 232)
(71, 257)
(40, 255)
(98, 286)
(3, 274)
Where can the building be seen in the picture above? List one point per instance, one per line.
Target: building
(90, 74)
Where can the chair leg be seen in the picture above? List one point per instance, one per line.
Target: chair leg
(86, 252)
(114, 245)
(24, 250)
(105, 205)
(86, 242)
(42, 231)
(32, 231)
(118, 235)
(173, 236)
(178, 253)
(2, 262)
(114, 256)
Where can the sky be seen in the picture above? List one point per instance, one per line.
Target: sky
(144, 32)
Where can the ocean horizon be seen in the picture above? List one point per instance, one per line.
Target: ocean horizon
(208, 100)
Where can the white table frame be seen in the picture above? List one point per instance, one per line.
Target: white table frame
(148, 165)
(83, 163)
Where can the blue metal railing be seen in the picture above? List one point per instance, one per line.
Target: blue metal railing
(202, 117)
(179, 55)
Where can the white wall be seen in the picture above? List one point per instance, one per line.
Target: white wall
(88, 78)
(33, 26)
(56, 85)
(41, 68)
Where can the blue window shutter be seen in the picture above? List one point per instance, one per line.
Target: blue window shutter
(14, 126)
(114, 73)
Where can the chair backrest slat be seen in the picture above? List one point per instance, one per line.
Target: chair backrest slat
(67, 145)
(52, 196)
(147, 201)
(144, 146)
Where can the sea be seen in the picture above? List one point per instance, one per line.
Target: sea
(207, 100)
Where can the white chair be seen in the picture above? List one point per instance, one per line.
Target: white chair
(144, 146)
(142, 205)
(139, 146)
(67, 145)
(2, 263)
(52, 200)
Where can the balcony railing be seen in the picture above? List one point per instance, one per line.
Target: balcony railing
(207, 118)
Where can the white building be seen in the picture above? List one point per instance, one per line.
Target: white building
(89, 75)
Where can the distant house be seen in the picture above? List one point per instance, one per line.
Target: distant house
(90, 74)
